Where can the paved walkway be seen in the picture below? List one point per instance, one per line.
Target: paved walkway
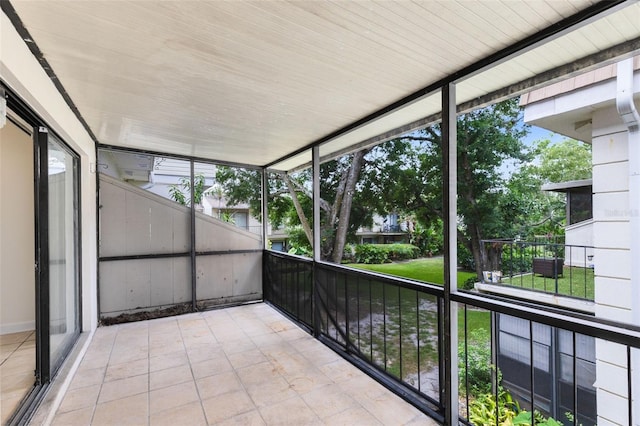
(246, 365)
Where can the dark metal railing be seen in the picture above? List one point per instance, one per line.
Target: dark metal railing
(290, 285)
(394, 325)
(523, 356)
(559, 269)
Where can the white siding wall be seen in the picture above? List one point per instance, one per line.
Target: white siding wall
(612, 258)
(17, 247)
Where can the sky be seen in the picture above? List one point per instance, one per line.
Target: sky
(537, 133)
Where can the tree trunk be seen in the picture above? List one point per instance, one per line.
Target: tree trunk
(493, 256)
(476, 249)
(299, 210)
(345, 207)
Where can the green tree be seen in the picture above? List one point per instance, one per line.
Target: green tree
(290, 200)
(405, 175)
(563, 161)
(181, 193)
(488, 138)
(538, 212)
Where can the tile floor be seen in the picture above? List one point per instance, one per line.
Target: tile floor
(246, 365)
(17, 365)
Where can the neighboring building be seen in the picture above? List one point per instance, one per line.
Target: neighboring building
(385, 230)
(584, 108)
(578, 231)
(596, 236)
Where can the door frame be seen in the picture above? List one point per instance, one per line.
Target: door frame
(44, 371)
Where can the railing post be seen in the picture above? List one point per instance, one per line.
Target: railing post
(555, 268)
(449, 188)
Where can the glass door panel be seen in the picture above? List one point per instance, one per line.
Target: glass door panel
(63, 276)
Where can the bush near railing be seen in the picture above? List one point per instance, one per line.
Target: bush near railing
(519, 259)
(383, 253)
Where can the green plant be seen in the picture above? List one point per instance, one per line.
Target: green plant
(227, 217)
(371, 253)
(181, 193)
(383, 253)
(428, 238)
(469, 283)
(524, 419)
(465, 258)
(484, 409)
(475, 371)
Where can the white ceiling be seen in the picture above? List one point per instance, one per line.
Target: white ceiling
(252, 81)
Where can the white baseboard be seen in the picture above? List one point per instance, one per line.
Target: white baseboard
(16, 327)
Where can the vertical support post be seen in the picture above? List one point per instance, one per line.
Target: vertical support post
(315, 178)
(449, 188)
(264, 210)
(315, 160)
(264, 196)
(194, 304)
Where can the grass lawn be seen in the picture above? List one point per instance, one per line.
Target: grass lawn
(576, 282)
(429, 270)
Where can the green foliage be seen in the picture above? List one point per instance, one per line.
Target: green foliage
(484, 409)
(469, 283)
(518, 258)
(371, 254)
(476, 370)
(227, 216)
(564, 161)
(524, 419)
(298, 242)
(465, 258)
(240, 186)
(428, 238)
(181, 193)
(383, 253)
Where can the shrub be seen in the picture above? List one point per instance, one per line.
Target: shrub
(519, 258)
(469, 283)
(371, 253)
(401, 251)
(478, 368)
(428, 239)
(382, 253)
(482, 410)
(465, 258)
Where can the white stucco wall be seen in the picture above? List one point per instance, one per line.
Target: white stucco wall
(17, 247)
(20, 70)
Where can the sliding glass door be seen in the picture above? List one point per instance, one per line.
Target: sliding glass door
(40, 224)
(64, 324)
